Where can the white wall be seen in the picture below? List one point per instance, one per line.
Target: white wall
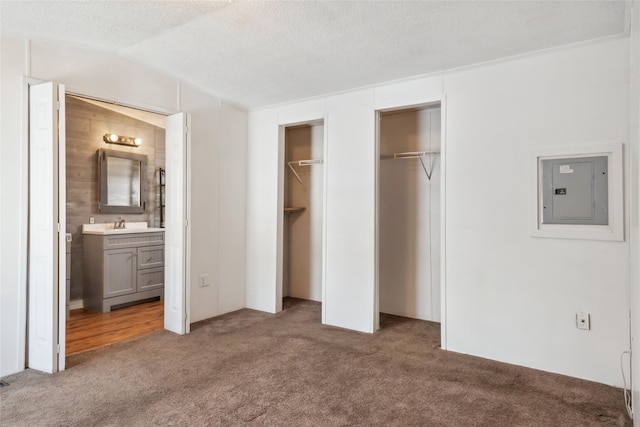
(512, 297)
(218, 186)
(509, 296)
(13, 202)
(635, 203)
(218, 173)
(262, 210)
(302, 253)
(409, 229)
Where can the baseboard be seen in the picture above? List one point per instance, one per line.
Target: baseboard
(76, 304)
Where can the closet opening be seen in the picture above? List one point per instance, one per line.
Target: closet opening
(409, 213)
(303, 206)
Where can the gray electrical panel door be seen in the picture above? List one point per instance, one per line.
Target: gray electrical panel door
(575, 191)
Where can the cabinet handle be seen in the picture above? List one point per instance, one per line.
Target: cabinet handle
(149, 260)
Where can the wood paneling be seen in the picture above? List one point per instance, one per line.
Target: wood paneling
(86, 124)
(88, 330)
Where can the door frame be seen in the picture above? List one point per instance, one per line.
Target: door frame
(313, 120)
(442, 100)
(25, 207)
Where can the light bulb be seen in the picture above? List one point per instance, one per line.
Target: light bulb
(113, 137)
(137, 141)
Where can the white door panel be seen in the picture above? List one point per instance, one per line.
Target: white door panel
(175, 306)
(44, 263)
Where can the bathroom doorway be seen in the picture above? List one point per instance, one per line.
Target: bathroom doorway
(46, 309)
(87, 121)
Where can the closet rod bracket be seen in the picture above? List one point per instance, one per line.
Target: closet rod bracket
(308, 162)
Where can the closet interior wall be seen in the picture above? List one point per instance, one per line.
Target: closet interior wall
(302, 272)
(409, 230)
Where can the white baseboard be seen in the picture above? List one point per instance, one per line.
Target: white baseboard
(76, 304)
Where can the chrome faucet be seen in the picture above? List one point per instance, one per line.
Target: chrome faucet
(119, 223)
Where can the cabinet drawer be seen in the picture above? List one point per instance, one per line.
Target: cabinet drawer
(151, 256)
(115, 241)
(151, 278)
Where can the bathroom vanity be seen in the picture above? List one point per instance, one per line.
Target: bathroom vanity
(122, 265)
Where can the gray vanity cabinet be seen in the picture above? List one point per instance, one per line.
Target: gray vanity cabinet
(122, 269)
(119, 272)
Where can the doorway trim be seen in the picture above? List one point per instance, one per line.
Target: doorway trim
(311, 120)
(442, 101)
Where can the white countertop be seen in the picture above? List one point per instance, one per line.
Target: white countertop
(129, 228)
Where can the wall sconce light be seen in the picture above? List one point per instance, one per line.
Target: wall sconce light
(112, 138)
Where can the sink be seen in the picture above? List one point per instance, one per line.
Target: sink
(129, 228)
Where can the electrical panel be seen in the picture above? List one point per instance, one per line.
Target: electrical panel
(575, 190)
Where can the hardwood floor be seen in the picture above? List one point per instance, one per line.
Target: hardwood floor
(88, 330)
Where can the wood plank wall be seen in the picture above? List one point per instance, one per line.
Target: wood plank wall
(86, 124)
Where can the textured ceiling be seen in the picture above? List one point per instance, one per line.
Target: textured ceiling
(257, 53)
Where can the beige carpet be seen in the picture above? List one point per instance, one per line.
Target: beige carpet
(289, 370)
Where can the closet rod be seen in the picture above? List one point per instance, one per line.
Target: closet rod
(308, 162)
(415, 155)
(410, 154)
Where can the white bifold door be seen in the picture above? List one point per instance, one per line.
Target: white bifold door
(176, 273)
(46, 260)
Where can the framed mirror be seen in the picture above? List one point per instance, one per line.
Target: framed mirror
(122, 178)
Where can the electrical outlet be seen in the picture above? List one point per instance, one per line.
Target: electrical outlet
(92, 220)
(205, 280)
(583, 320)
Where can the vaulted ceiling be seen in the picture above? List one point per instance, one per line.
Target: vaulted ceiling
(257, 53)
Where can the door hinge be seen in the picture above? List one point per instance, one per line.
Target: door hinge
(58, 348)
(57, 105)
(58, 227)
(187, 129)
(186, 222)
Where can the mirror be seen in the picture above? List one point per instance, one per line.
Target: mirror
(123, 182)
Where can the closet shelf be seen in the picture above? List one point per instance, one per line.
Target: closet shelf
(295, 209)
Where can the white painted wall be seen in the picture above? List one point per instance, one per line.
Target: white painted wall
(512, 297)
(509, 296)
(262, 210)
(635, 204)
(409, 229)
(13, 201)
(302, 254)
(218, 173)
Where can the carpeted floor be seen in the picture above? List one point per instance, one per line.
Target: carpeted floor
(287, 369)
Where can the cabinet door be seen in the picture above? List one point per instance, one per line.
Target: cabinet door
(151, 256)
(120, 272)
(150, 278)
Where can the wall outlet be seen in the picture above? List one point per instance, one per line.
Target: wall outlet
(92, 220)
(205, 280)
(583, 320)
